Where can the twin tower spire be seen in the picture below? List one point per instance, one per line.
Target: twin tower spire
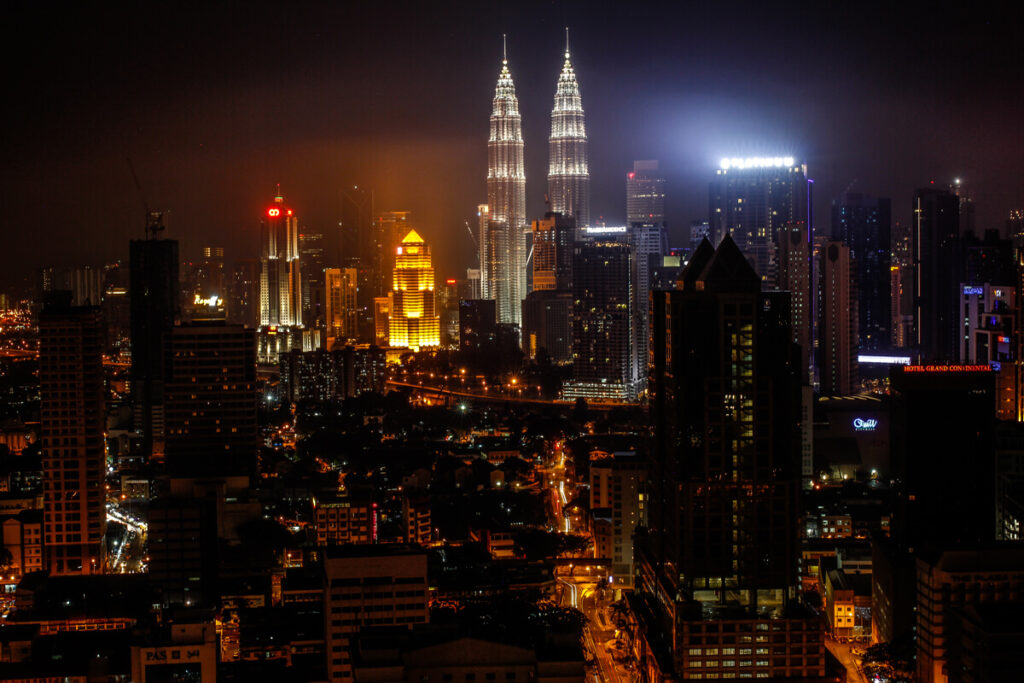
(502, 242)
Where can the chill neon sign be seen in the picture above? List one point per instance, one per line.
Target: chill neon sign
(862, 425)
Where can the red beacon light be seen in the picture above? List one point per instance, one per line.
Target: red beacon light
(289, 212)
(273, 212)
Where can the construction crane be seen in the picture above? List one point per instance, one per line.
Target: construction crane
(472, 237)
(154, 219)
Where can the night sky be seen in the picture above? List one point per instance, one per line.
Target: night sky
(216, 105)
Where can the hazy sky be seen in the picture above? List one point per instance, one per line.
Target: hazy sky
(215, 105)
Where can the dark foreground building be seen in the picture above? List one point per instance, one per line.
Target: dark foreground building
(716, 569)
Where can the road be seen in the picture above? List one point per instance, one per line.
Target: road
(844, 654)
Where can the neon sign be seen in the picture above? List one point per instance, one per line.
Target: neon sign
(273, 212)
(977, 291)
(946, 368)
(862, 425)
(211, 301)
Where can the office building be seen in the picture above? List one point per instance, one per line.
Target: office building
(943, 453)
(949, 581)
(210, 399)
(210, 274)
(153, 292)
(988, 314)
(183, 550)
(753, 200)
(342, 521)
(382, 320)
(936, 264)
(984, 642)
(604, 327)
(568, 171)
(716, 566)
(645, 194)
(341, 313)
(72, 418)
(837, 327)
(280, 281)
(502, 243)
(547, 324)
(311, 256)
(699, 231)
(389, 227)
(243, 295)
(863, 223)
(414, 322)
(617, 486)
(370, 585)
(478, 328)
(448, 310)
(553, 240)
(795, 258)
(86, 285)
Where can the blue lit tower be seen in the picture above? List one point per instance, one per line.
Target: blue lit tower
(568, 173)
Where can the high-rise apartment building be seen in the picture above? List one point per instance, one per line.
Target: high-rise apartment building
(568, 170)
(153, 292)
(414, 320)
(72, 419)
(934, 255)
(837, 329)
(617, 490)
(717, 565)
(864, 223)
(650, 243)
(280, 281)
(645, 194)
(502, 242)
(370, 585)
(340, 286)
(210, 399)
(604, 329)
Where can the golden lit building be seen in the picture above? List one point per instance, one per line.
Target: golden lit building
(413, 322)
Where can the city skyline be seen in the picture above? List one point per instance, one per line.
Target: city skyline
(212, 161)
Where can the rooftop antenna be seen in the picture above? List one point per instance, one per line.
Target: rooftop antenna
(504, 50)
(154, 219)
(566, 41)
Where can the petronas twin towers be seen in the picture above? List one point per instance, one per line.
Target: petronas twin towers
(503, 239)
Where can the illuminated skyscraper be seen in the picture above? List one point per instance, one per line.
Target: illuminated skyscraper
(280, 280)
(752, 200)
(864, 224)
(413, 320)
(568, 173)
(341, 286)
(645, 194)
(502, 242)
